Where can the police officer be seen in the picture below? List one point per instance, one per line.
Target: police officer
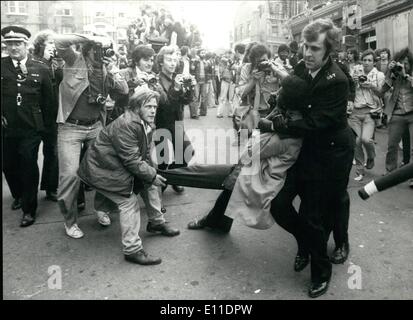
(26, 87)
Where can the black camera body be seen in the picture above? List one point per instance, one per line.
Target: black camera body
(397, 71)
(100, 52)
(99, 99)
(264, 66)
(55, 54)
(362, 78)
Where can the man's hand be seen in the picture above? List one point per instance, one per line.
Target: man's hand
(159, 181)
(178, 82)
(257, 74)
(110, 64)
(4, 122)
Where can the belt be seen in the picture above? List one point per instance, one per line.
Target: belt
(82, 122)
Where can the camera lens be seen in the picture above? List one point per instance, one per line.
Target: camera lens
(109, 53)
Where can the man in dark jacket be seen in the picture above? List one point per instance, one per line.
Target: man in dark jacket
(320, 175)
(26, 114)
(117, 163)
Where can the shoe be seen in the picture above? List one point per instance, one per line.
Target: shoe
(340, 254)
(196, 118)
(74, 231)
(359, 177)
(163, 228)
(27, 220)
(103, 218)
(220, 117)
(141, 257)
(411, 183)
(370, 164)
(318, 288)
(197, 224)
(178, 189)
(51, 196)
(300, 262)
(81, 206)
(17, 204)
(230, 116)
(203, 115)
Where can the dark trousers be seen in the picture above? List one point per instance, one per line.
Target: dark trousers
(50, 171)
(406, 146)
(20, 167)
(216, 218)
(310, 226)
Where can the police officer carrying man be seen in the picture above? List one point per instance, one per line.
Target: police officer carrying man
(26, 87)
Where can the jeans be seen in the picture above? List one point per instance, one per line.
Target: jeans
(200, 100)
(224, 100)
(71, 138)
(129, 213)
(363, 125)
(397, 126)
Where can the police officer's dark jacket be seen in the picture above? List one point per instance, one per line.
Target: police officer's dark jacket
(26, 101)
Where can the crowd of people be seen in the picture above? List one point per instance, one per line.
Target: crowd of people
(315, 109)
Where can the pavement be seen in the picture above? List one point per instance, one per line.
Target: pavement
(244, 264)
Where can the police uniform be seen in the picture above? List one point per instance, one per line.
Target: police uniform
(25, 100)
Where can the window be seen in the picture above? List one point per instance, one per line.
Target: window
(100, 14)
(121, 15)
(66, 29)
(64, 12)
(16, 7)
(274, 30)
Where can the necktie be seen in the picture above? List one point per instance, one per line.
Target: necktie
(18, 68)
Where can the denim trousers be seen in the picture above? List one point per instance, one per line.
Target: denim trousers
(224, 99)
(364, 126)
(397, 126)
(199, 103)
(70, 140)
(129, 213)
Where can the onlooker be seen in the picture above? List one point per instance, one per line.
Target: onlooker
(383, 63)
(367, 107)
(117, 162)
(352, 59)
(282, 59)
(87, 80)
(26, 113)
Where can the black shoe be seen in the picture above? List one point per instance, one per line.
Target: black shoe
(301, 261)
(340, 254)
(178, 189)
(370, 163)
(141, 257)
(27, 220)
(163, 228)
(197, 224)
(81, 206)
(17, 204)
(318, 288)
(52, 196)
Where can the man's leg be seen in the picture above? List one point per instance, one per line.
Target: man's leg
(28, 150)
(203, 96)
(194, 105)
(222, 98)
(355, 122)
(396, 126)
(369, 126)
(50, 170)
(11, 167)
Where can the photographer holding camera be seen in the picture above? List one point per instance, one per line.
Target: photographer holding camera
(399, 108)
(88, 78)
(367, 107)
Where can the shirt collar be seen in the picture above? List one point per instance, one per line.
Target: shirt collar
(21, 62)
(314, 73)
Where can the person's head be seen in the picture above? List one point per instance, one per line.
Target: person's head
(368, 59)
(44, 41)
(283, 52)
(167, 59)
(248, 51)
(294, 94)
(201, 53)
(385, 54)
(320, 39)
(142, 57)
(405, 56)
(352, 55)
(90, 48)
(16, 40)
(144, 103)
(341, 55)
(239, 50)
(293, 45)
(184, 51)
(259, 53)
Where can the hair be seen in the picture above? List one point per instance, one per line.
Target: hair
(402, 54)
(164, 50)
(283, 47)
(368, 52)
(248, 51)
(314, 29)
(140, 97)
(141, 52)
(387, 50)
(240, 47)
(355, 54)
(39, 41)
(257, 51)
(293, 45)
(184, 50)
(294, 93)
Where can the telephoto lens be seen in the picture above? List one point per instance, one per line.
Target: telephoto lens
(109, 53)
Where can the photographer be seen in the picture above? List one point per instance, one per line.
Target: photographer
(399, 108)
(367, 107)
(88, 78)
(175, 92)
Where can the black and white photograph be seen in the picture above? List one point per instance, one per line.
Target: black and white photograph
(207, 155)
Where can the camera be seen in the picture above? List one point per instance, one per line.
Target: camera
(100, 52)
(264, 66)
(99, 99)
(55, 54)
(362, 78)
(397, 70)
(187, 81)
